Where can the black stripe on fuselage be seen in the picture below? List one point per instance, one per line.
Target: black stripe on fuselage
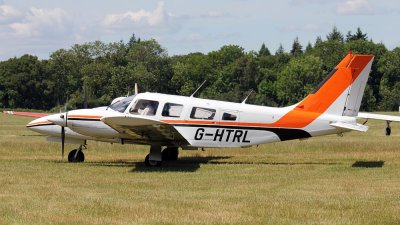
(83, 119)
(284, 134)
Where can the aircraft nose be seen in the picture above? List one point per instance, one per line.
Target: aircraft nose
(39, 125)
(58, 119)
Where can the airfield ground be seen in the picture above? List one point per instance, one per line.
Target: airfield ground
(353, 179)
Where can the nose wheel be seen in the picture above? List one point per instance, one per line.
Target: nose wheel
(76, 155)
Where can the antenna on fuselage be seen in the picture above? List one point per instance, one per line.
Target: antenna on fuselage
(136, 89)
(244, 101)
(198, 88)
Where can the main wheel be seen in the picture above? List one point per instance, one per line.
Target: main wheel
(170, 154)
(75, 156)
(388, 131)
(152, 163)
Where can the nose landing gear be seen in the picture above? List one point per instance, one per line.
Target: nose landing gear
(76, 155)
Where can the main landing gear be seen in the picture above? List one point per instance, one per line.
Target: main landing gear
(76, 155)
(388, 129)
(155, 157)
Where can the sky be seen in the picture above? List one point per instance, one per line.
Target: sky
(40, 27)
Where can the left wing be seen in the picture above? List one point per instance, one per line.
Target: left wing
(30, 114)
(145, 130)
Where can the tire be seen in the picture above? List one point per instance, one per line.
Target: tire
(80, 157)
(388, 131)
(151, 163)
(170, 154)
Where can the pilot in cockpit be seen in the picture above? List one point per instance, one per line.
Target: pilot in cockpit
(150, 109)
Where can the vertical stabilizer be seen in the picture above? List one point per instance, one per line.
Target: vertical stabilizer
(342, 90)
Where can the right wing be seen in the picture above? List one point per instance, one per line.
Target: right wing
(389, 118)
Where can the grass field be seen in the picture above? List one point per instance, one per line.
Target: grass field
(353, 179)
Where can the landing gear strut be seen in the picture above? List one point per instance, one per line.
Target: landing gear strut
(388, 129)
(76, 155)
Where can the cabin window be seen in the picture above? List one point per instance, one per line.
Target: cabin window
(229, 116)
(202, 113)
(172, 110)
(145, 107)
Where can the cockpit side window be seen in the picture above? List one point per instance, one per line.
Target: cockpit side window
(145, 107)
(121, 105)
(202, 113)
(172, 110)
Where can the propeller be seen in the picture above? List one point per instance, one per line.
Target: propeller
(65, 118)
(62, 141)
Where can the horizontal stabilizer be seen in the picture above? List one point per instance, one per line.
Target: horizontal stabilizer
(350, 126)
(378, 117)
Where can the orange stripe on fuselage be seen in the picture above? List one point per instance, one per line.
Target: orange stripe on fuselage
(314, 105)
(84, 117)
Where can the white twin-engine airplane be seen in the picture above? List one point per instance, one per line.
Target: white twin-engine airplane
(170, 121)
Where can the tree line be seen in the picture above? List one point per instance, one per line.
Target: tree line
(92, 74)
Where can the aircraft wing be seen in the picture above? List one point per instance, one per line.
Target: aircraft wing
(30, 114)
(389, 118)
(145, 130)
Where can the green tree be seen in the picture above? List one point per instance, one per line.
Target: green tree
(331, 52)
(151, 66)
(298, 79)
(309, 48)
(335, 35)
(280, 50)
(264, 51)
(297, 49)
(25, 84)
(389, 66)
(359, 35)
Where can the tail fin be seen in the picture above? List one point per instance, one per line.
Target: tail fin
(342, 90)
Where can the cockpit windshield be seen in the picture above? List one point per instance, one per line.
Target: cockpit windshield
(121, 105)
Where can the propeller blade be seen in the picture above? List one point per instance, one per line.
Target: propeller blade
(62, 141)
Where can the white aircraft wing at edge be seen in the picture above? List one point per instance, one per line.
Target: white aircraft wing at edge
(362, 115)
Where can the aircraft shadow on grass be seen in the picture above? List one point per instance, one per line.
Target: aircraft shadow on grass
(369, 164)
(184, 164)
(192, 164)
